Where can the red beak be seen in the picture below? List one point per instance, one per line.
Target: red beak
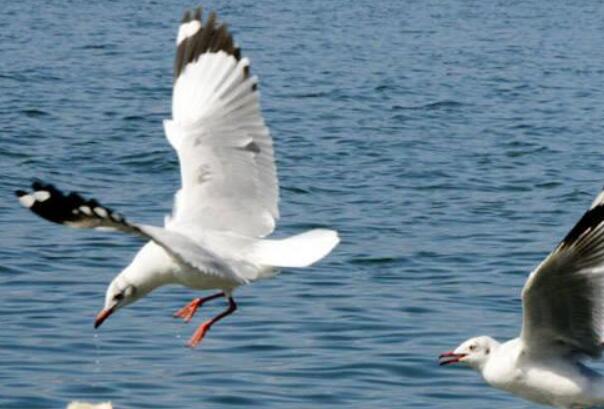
(450, 358)
(102, 316)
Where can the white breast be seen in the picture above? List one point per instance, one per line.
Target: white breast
(549, 381)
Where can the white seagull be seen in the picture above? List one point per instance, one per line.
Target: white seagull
(563, 323)
(227, 203)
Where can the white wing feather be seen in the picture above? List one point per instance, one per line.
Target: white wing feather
(228, 174)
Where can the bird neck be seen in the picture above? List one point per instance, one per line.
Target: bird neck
(151, 268)
(494, 347)
(145, 281)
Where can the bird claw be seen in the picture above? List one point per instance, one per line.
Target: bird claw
(199, 334)
(189, 310)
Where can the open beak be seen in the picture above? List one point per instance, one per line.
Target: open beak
(450, 358)
(102, 316)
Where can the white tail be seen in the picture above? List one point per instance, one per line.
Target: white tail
(300, 250)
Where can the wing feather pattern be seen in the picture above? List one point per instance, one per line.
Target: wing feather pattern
(73, 210)
(228, 175)
(563, 298)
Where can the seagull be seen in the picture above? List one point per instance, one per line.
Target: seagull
(563, 323)
(228, 199)
(86, 405)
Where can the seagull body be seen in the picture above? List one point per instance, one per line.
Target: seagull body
(563, 323)
(228, 200)
(548, 380)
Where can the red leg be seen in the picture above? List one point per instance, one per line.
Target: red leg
(187, 312)
(203, 328)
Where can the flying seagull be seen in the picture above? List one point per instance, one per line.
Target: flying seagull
(563, 323)
(228, 200)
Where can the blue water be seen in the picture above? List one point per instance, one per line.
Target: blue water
(451, 143)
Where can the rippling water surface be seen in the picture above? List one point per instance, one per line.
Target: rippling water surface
(451, 143)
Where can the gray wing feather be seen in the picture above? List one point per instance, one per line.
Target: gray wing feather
(563, 298)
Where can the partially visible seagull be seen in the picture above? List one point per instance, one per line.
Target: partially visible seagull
(86, 405)
(227, 203)
(563, 323)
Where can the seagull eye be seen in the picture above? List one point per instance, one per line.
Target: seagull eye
(118, 296)
(472, 347)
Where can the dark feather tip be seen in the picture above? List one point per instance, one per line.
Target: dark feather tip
(592, 218)
(212, 37)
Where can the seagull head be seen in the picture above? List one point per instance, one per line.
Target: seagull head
(474, 352)
(150, 269)
(119, 294)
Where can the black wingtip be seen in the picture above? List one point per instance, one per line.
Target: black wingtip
(590, 220)
(53, 205)
(212, 37)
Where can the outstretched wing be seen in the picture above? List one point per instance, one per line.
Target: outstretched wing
(228, 174)
(563, 298)
(73, 210)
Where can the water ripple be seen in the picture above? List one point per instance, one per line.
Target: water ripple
(451, 159)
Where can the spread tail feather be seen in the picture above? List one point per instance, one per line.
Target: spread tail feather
(300, 250)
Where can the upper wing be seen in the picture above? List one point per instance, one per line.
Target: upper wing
(563, 298)
(228, 175)
(73, 210)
